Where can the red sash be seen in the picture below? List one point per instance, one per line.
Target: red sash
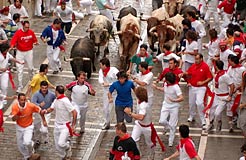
(154, 135)
(71, 131)
(11, 80)
(236, 103)
(218, 75)
(1, 121)
(211, 94)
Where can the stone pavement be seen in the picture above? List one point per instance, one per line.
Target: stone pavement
(95, 143)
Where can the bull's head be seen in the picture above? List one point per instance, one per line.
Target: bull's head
(98, 35)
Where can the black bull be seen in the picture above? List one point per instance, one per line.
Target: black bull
(83, 56)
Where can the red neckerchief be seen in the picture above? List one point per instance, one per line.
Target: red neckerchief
(61, 96)
(218, 75)
(4, 54)
(236, 66)
(183, 140)
(167, 53)
(105, 71)
(54, 28)
(17, 6)
(193, 19)
(145, 55)
(126, 136)
(213, 40)
(146, 72)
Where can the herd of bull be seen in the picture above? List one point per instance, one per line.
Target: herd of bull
(161, 27)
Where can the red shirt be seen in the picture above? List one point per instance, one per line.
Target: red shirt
(198, 72)
(175, 71)
(24, 40)
(228, 7)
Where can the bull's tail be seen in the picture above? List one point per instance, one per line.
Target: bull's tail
(112, 35)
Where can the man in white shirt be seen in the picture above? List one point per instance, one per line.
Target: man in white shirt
(145, 79)
(79, 98)
(67, 16)
(64, 112)
(199, 28)
(224, 53)
(107, 75)
(211, 6)
(17, 7)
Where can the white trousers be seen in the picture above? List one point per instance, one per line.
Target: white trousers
(199, 42)
(215, 15)
(226, 19)
(26, 57)
(38, 124)
(24, 140)
(139, 130)
(61, 134)
(173, 113)
(107, 13)
(196, 97)
(107, 106)
(81, 115)
(37, 11)
(218, 107)
(50, 5)
(53, 57)
(4, 78)
(86, 4)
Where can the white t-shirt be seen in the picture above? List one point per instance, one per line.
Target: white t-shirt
(224, 82)
(22, 11)
(4, 17)
(110, 77)
(213, 48)
(148, 79)
(80, 94)
(242, 158)
(63, 109)
(224, 57)
(55, 35)
(236, 75)
(199, 28)
(65, 15)
(4, 61)
(172, 92)
(190, 48)
(165, 59)
(144, 109)
(3, 35)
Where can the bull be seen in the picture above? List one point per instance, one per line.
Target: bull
(82, 56)
(157, 17)
(100, 31)
(156, 4)
(168, 32)
(173, 7)
(129, 35)
(124, 12)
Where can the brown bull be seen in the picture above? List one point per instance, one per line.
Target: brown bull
(173, 7)
(129, 38)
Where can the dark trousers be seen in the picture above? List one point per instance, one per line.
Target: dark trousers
(67, 26)
(121, 115)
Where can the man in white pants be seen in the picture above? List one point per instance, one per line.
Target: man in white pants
(87, 5)
(79, 98)
(64, 112)
(50, 5)
(22, 112)
(211, 6)
(37, 9)
(23, 40)
(145, 79)
(104, 7)
(5, 57)
(223, 91)
(54, 36)
(198, 77)
(42, 98)
(170, 106)
(107, 75)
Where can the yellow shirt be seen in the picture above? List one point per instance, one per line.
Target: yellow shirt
(36, 80)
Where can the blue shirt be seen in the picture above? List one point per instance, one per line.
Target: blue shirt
(48, 99)
(124, 93)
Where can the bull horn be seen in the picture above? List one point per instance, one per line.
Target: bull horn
(105, 30)
(90, 29)
(152, 29)
(155, 33)
(86, 59)
(138, 36)
(116, 19)
(117, 33)
(68, 60)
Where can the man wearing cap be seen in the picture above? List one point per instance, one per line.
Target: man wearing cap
(224, 53)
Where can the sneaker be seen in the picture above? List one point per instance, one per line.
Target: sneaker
(60, 69)
(170, 144)
(210, 127)
(55, 72)
(203, 126)
(68, 152)
(230, 126)
(219, 126)
(190, 119)
(81, 132)
(36, 145)
(230, 130)
(19, 90)
(106, 126)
